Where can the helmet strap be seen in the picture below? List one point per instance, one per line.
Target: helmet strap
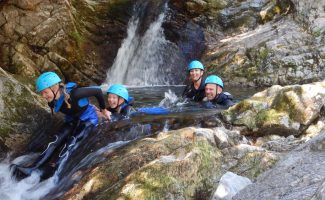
(198, 79)
(118, 105)
(54, 93)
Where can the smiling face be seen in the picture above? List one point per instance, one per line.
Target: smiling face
(114, 100)
(195, 74)
(48, 93)
(212, 90)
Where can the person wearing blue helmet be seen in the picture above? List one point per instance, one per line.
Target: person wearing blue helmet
(119, 101)
(214, 92)
(195, 90)
(80, 115)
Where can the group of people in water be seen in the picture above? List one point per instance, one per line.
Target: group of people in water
(81, 117)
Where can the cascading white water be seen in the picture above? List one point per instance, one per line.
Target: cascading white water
(31, 187)
(142, 59)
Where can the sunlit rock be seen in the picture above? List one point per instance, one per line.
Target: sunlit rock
(229, 185)
(299, 175)
(279, 110)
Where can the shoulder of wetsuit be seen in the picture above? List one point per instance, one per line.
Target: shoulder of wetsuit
(130, 101)
(70, 86)
(202, 85)
(187, 89)
(228, 95)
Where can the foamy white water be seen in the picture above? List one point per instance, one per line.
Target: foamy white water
(29, 188)
(139, 58)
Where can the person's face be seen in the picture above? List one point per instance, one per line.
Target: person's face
(48, 93)
(195, 74)
(114, 100)
(211, 91)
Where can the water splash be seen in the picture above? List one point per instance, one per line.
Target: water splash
(29, 188)
(32, 188)
(169, 100)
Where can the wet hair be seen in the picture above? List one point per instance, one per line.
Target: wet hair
(65, 93)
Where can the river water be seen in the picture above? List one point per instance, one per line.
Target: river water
(108, 137)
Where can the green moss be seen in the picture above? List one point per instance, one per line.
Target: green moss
(264, 53)
(288, 101)
(4, 132)
(268, 117)
(243, 106)
(143, 179)
(77, 37)
(254, 163)
(231, 114)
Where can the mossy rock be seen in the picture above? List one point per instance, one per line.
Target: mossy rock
(279, 110)
(22, 112)
(177, 164)
(253, 164)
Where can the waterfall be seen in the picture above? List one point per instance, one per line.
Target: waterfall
(147, 59)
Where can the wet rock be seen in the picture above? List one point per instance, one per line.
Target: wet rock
(314, 129)
(299, 175)
(180, 164)
(282, 144)
(22, 113)
(225, 138)
(155, 168)
(279, 110)
(252, 163)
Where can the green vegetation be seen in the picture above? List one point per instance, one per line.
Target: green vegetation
(76, 36)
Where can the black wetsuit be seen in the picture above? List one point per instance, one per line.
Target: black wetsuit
(80, 119)
(77, 94)
(195, 94)
(223, 100)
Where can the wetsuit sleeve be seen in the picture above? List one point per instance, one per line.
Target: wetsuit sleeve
(228, 102)
(128, 111)
(86, 92)
(184, 94)
(225, 100)
(188, 92)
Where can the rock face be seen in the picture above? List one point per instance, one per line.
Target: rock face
(262, 42)
(181, 164)
(254, 43)
(155, 168)
(299, 175)
(69, 37)
(22, 113)
(279, 110)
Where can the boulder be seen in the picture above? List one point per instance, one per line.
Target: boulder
(279, 110)
(299, 175)
(22, 114)
(177, 164)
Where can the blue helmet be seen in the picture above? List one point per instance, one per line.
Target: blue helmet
(195, 65)
(119, 90)
(46, 80)
(213, 79)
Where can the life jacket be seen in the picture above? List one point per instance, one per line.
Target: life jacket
(88, 113)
